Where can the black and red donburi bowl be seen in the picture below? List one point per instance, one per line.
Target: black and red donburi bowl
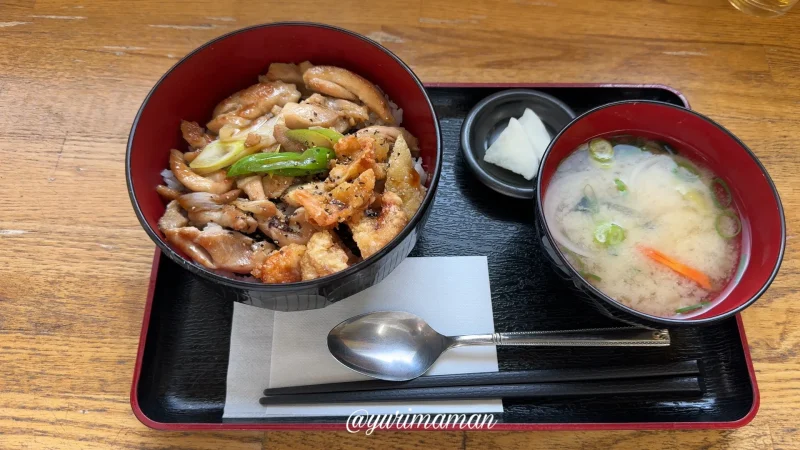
(191, 89)
(700, 139)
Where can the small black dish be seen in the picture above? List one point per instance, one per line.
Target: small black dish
(489, 118)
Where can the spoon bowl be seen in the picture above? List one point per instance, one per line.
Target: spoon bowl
(395, 346)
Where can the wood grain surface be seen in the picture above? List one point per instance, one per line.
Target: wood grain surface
(74, 263)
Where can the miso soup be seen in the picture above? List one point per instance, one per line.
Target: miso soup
(646, 226)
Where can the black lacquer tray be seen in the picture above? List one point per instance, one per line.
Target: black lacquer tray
(181, 368)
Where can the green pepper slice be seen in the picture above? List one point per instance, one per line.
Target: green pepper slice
(314, 160)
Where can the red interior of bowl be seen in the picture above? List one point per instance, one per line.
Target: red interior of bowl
(218, 69)
(701, 140)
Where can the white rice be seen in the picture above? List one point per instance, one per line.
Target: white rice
(397, 113)
(171, 181)
(423, 177)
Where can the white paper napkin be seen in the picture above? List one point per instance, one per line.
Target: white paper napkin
(277, 349)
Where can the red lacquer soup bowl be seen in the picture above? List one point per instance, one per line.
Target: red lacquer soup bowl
(701, 140)
(193, 87)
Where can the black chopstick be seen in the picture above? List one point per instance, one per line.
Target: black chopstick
(671, 385)
(499, 378)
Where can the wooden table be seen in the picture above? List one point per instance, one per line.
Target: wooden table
(74, 263)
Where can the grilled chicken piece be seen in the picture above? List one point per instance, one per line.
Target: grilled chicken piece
(195, 135)
(286, 144)
(228, 216)
(281, 266)
(190, 156)
(229, 250)
(282, 228)
(288, 73)
(373, 233)
(261, 208)
(252, 140)
(351, 197)
(288, 228)
(252, 187)
(183, 238)
(248, 104)
(323, 256)
(217, 248)
(257, 133)
(204, 201)
(354, 112)
(347, 148)
(204, 208)
(261, 250)
(215, 183)
(306, 115)
(342, 83)
(276, 185)
(229, 120)
(389, 135)
(167, 192)
(353, 157)
(326, 209)
(403, 179)
(316, 189)
(173, 217)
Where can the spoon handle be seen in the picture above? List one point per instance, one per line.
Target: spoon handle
(598, 337)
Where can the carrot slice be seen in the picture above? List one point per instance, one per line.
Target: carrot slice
(682, 269)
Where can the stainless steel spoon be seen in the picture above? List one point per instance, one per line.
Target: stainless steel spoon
(398, 346)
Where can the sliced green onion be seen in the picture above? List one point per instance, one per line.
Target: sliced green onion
(686, 170)
(609, 233)
(722, 193)
(728, 224)
(691, 308)
(601, 150)
(591, 276)
(218, 155)
(621, 186)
